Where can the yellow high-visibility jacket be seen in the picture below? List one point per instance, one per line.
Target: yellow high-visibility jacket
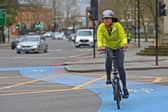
(117, 39)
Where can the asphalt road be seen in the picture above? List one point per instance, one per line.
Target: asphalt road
(58, 52)
(36, 97)
(38, 83)
(42, 101)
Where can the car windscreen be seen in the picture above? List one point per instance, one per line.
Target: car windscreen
(32, 38)
(84, 33)
(21, 38)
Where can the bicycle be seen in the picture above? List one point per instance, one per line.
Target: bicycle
(117, 93)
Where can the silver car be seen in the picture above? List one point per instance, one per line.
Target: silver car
(32, 43)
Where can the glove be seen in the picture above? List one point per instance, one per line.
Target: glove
(125, 46)
(100, 49)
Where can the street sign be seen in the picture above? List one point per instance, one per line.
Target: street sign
(2, 17)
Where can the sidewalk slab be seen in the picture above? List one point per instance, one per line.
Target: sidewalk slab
(132, 61)
(5, 45)
(101, 67)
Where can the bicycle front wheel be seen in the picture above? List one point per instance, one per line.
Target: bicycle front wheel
(117, 95)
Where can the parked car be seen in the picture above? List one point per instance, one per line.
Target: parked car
(32, 43)
(58, 36)
(48, 34)
(84, 37)
(16, 41)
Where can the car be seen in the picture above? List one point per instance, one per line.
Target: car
(48, 34)
(16, 41)
(32, 43)
(84, 37)
(31, 33)
(58, 36)
(72, 36)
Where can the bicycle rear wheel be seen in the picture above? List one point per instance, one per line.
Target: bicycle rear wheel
(117, 95)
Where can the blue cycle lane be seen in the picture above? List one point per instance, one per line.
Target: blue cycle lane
(143, 97)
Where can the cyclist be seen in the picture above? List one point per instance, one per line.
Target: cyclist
(112, 37)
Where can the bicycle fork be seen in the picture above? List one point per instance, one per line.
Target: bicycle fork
(116, 86)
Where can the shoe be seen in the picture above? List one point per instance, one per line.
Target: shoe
(126, 93)
(108, 81)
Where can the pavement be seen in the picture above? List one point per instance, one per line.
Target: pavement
(4, 45)
(132, 61)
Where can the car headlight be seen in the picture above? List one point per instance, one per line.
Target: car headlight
(77, 39)
(91, 39)
(35, 46)
(18, 46)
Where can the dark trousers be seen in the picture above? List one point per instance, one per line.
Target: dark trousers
(119, 61)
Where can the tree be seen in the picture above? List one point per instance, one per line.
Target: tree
(11, 7)
(150, 7)
(71, 11)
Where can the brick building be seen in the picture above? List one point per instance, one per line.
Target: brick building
(32, 15)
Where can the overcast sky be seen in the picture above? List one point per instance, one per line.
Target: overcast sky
(83, 4)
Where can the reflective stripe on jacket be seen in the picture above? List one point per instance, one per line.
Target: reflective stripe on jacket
(117, 39)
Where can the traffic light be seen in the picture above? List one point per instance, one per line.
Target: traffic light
(89, 14)
(94, 9)
(18, 27)
(162, 10)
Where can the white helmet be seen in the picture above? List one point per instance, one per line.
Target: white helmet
(108, 14)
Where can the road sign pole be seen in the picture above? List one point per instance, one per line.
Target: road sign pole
(3, 34)
(94, 39)
(156, 33)
(139, 17)
(2, 24)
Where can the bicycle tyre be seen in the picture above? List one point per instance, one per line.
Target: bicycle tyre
(117, 95)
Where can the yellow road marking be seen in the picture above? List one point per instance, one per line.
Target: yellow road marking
(78, 87)
(6, 77)
(87, 83)
(26, 83)
(157, 80)
(20, 84)
(47, 91)
(36, 92)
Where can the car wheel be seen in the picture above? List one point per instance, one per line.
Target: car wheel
(45, 51)
(77, 46)
(18, 52)
(12, 48)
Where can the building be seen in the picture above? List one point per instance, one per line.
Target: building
(29, 14)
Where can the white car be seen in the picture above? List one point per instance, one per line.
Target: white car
(58, 35)
(84, 37)
(48, 34)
